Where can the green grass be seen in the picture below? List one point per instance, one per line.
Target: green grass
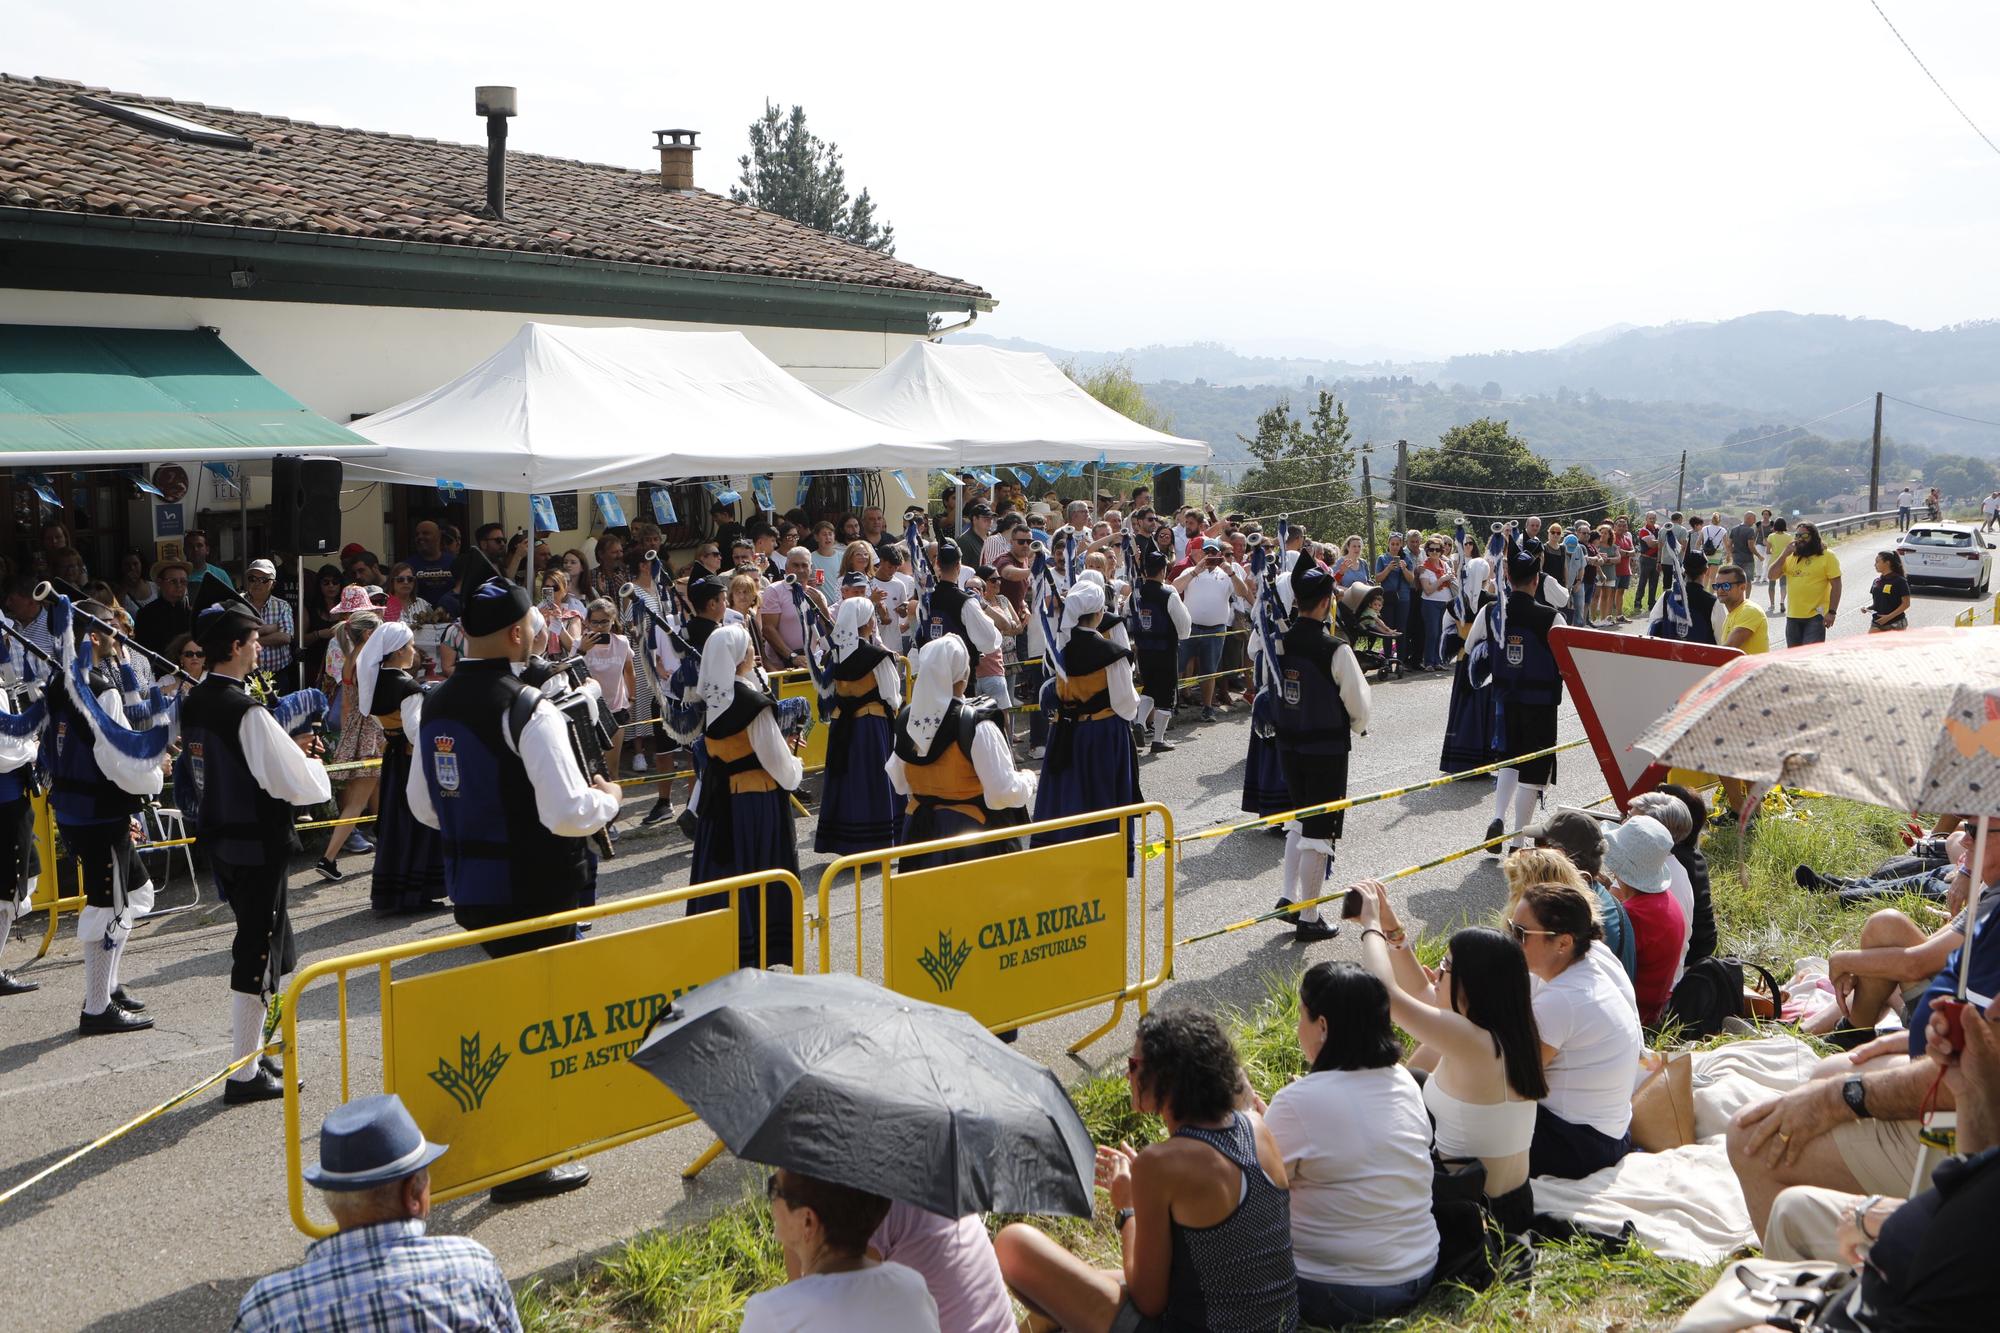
(698, 1277)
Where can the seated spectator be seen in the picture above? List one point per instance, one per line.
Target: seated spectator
(1577, 838)
(1636, 854)
(833, 1283)
(1476, 1021)
(1204, 1216)
(380, 1270)
(1363, 1238)
(1914, 873)
(1674, 817)
(954, 1256)
(1589, 1023)
(1856, 1128)
(1689, 857)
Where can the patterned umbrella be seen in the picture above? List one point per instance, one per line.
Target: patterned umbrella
(1908, 720)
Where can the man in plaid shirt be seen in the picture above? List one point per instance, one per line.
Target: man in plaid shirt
(380, 1272)
(274, 643)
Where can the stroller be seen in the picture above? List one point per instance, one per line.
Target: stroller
(1358, 622)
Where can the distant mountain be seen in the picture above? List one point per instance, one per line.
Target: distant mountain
(1210, 363)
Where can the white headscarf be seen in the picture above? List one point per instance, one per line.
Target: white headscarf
(847, 622)
(1086, 598)
(941, 665)
(391, 638)
(720, 657)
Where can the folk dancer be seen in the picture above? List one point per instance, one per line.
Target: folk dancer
(858, 809)
(494, 773)
(109, 744)
(24, 713)
(1092, 763)
(1323, 703)
(1509, 647)
(1264, 790)
(409, 858)
(744, 821)
(953, 763)
(1159, 621)
(1468, 725)
(681, 711)
(249, 771)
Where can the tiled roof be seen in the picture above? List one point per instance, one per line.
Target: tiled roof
(58, 153)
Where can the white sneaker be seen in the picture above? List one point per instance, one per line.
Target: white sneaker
(638, 763)
(1035, 752)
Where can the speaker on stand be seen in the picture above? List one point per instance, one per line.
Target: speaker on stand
(305, 505)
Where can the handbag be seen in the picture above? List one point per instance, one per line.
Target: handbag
(1663, 1107)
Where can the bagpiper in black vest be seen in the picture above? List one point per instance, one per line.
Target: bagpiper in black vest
(948, 616)
(236, 820)
(497, 853)
(1312, 717)
(81, 793)
(1152, 624)
(1524, 670)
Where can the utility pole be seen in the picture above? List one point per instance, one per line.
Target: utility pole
(1368, 502)
(1402, 485)
(1681, 489)
(1875, 460)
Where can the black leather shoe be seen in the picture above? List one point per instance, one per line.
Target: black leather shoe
(556, 1180)
(1806, 877)
(112, 1020)
(1163, 747)
(266, 1087)
(1289, 918)
(274, 1069)
(1308, 932)
(13, 985)
(127, 1001)
(1494, 830)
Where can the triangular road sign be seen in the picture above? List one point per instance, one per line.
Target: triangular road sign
(1622, 684)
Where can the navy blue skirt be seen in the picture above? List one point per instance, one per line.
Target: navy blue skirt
(858, 809)
(1099, 772)
(409, 854)
(1468, 726)
(932, 822)
(1264, 789)
(757, 835)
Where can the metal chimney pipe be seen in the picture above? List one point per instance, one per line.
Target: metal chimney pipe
(497, 103)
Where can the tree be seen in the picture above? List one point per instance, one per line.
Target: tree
(793, 172)
(1306, 467)
(1482, 470)
(1114, 386)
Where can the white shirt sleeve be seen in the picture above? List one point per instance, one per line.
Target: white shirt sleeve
(1478, 632)
(138, 777)
(1554, 593)
(416, 791)
(1124, 698)
(1353, 687)
(1718, 619)
(772, 752)
(279, 765)
(984, 635)
(899, 777)
(889, 684)
(1178, 613)
(1006, 787)
(567, 805)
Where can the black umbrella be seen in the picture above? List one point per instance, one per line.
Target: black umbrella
(834, 1077)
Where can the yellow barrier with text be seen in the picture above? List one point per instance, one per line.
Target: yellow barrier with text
(519, 1063)
(1023, 936)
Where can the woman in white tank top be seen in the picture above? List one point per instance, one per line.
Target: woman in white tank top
(1476, 1022)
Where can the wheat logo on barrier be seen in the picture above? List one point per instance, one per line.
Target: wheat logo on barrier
(944, 963)
(469, 1083)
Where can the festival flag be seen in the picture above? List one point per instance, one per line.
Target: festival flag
(610, 513)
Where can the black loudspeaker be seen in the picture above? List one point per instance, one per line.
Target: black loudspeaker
(1169, 492)
(305, 505)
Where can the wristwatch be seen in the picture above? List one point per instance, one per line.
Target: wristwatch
(1123, 1216)
(1856, 1096)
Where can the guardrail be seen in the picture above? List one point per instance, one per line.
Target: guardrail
(1834, 527)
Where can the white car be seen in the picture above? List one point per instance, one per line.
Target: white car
(1947, 555)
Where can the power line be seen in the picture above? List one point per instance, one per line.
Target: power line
(1941, 91)
(1925, 407)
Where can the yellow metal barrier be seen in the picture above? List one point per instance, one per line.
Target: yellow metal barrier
(48, 895)
(519, 1063)
(1020, 937)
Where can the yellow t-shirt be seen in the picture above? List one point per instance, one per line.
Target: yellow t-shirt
(1775, 545)
(1748, 616)
(1805, 591)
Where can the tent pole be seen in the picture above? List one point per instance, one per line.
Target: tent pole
(243, 513)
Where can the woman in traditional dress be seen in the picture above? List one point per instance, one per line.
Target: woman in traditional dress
(744, 822)
(1092, 763)
(858, 808)
(953, 762)
(409, 855)
(1468, 727)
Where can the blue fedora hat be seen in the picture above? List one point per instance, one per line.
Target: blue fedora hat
(367, 1142)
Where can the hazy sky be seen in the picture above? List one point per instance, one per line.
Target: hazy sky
(1415, 176)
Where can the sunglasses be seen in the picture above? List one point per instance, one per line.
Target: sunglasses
(1521, 932)
(771, 1191)
(192, 655)
(405, 578)
(1724, 585)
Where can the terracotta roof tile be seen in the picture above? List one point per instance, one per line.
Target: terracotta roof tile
(61, 154)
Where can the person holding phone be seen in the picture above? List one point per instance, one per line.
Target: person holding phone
(607, 655)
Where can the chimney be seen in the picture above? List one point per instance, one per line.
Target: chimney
(497, 104)
(677, 150)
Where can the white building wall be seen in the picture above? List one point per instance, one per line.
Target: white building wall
(345, 362)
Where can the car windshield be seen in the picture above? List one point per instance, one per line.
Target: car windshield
(1940, 538)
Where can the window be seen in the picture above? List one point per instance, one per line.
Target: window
(166, 123)
(1943, 538)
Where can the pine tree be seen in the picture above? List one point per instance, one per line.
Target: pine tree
(791, 171)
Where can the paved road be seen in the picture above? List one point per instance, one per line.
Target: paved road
(171, 1224)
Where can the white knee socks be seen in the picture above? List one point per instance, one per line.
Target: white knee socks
(137, 904)
(1504, 783)
(8, 912)
(1525, 800)
(102, 939)
(246, 1031)
(1313, 867)
(1291, 893)
(1161, 716)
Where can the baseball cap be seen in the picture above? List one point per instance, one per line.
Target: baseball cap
(264, 567)
(979, 509)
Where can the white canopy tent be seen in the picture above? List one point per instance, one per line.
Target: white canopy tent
(987, 406)
(562, 408)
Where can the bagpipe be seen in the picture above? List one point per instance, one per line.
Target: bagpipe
(23, 709)
(913, 537)
(1269, 623)
(566, 684)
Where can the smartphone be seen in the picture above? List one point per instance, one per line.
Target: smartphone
(1953, 1010)
(1350, 906)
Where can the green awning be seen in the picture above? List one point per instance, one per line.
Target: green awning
(106, 395)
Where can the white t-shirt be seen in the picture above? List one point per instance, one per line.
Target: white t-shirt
(1357, 1146)
(896, 590)
(1208, 595)
(1682, 889)
(1591, 1016)
(868, 1300)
